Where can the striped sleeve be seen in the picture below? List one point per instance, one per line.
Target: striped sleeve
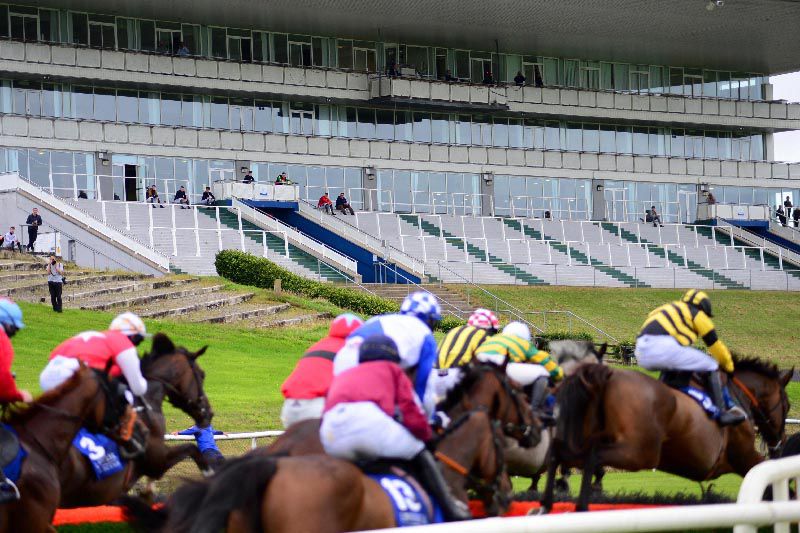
(543, 358)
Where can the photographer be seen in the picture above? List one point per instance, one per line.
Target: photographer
(55, 281)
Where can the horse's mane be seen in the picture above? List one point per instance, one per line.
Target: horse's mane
(754, 364)
(20, 413)
(471, 374)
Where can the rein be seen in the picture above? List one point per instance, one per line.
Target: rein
(174, 395)
(762, 417)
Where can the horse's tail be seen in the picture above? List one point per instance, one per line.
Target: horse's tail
(239, 485)
(577, 400)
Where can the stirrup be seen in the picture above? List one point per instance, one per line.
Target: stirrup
(7, 495)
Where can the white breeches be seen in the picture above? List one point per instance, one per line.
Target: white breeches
(662, 352)
(59, 370)
(441, 384)
(297, 410)
(361, 430)
(526, 373)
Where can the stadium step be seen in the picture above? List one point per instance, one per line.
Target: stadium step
(140, 284)
(450, 299)
(295, 320)
(474, 251)
(15, 265)
(674, 258)
(140, 299)
(276, 244)
(770, 260)
(235, 313)
(26, 289)
(185, 305)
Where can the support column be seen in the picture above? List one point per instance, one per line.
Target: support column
(769, 146)
(102, 166)
(487, 194)
(598, 200)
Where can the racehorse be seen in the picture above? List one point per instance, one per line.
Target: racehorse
(171, 372)
(530, 462)
(46, 429)
(628, 420)
(316, 493)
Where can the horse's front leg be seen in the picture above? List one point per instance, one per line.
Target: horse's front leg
(176, 454)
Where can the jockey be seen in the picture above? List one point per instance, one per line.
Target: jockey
(411, 330)
(665, 343)
(527, 365)
(371, 411)
(305, 388)
(458, 347)
(11, 320)
(95, 349)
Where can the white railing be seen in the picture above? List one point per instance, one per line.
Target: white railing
(13, 181)
(253, 436)
(757, 241)
(304, 242)
(745, 516)
(542, 206)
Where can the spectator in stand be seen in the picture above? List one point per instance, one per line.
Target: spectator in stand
(152, 197)
(282, 179)
(488, 79)
(796, 217)
(248, 178)
(392, 71)
(548, 215)
(779, 212)
(33, 221)
(343, 205)
(82, 196)
(55, 281)
(788, 205)
(519, 79)
(10, 240)
(205, 443)
(183, 50)
(655, 218)
(710, 198)
(180, 198)
(448, 76)
(325, 204)
(208, 197)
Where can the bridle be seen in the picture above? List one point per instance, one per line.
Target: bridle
(197, 404)
(773, 438)
(511, 429)
(497, 443)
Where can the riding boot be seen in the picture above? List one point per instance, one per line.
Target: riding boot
(431, 477)
(727, 417)
(132, 434)
(539, 392)
(8, 490)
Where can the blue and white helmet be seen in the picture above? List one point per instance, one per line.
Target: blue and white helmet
(10, 314)
(422, 305)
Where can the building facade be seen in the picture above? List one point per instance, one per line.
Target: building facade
(549, 113)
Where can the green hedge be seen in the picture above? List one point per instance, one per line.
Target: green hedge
(247, 269)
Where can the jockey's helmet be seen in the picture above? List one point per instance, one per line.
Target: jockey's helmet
(10, 316)
(343, 325)
(483, 319)
(378, 348)
(422, 305)
(698, 299)
(518, 329)
(130, 325)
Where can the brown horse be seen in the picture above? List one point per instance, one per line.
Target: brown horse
(628, 420)
(171, 372)
(316, 493)
(46, 429)
(483, 386)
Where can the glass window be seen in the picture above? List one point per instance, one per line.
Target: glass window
(104, 105)
(710, 145)
(147, 32)
(570, 76)
(219, 41)
(280, 47)
(462, 130)
(80, 28)
(624, 140)
(344, 50)
(724, 145)
(515, 134)
(82, 105)
(192, 111)
(171, 109)
(219, 112)
(533, 133)
(710, 83)
(462, 65)
(402, 126)
(641, 141)
(422, 127)
(676, 80)
(384, 119)
(552, 136)
(657, 141)
(694, 143)
(48, 25)
(366, 123)
(500, 132)
(347, 127)
(574, 137)
(51, 100)
(4, 32)
(481, 130)
(439, 128)
(757, 147)
(263, 117)
(608, 143)
(676, 144)
(621, 77)
(190, 34)
(591, 138)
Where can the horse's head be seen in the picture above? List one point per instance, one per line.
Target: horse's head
(176, 369)
(486, 386)
(762, 388)
(572, 354)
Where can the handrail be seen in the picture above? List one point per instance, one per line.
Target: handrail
(92, 249)
(390, 253)
(736, 232)
(447, 306)
(18, 182)
(305, 242)
(579, 318)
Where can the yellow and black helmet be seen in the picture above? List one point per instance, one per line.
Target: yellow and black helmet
(698, 299)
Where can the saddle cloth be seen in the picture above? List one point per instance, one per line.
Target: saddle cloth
(102, 453)
(412, 505)
(682, 381)
(12, 454)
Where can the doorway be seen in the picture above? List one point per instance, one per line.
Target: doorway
(131, 183)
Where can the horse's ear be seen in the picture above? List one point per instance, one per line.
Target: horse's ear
(786, 377)
(199, 352)
(162, 344)
(601, 352)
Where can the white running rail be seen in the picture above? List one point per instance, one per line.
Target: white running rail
(775, 474)
(13, 181)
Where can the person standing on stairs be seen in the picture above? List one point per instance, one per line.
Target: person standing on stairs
(55, 281)
(33, 222)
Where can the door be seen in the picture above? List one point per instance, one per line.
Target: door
(131, 183)
(616, 209)
(687, 206)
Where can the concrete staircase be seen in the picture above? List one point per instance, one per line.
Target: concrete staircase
(452, 300)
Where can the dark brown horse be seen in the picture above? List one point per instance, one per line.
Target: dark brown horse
(46, 429)
(483, 386)
(172, 372)
(628, 420)
(316, 493)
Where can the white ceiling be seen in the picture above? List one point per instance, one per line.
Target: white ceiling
(744, 35)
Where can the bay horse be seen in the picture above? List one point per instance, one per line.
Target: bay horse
(171, 372)
(46, 429)
(314, 493)
(625, 419)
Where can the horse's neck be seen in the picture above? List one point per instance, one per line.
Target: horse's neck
(462, 445)
(54, 431)
(154, 414)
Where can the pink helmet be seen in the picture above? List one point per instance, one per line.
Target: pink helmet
(484, 319)
(344, 324)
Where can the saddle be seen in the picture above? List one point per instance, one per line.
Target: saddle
(694, 385)
(9, 446)
(681, 379)
(411, 502)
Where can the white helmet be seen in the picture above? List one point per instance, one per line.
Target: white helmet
(517, 329)
(129, 324)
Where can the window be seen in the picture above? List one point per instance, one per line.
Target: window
(570, 73)
(219, 112)
(191, 38)
(102, 31)
(26, 98)
(591, 138)
(574, 137)
(24, 23)
(640, 78)
(693, 82)
(439, 128)
(300, 51)
(384, 119)
(127, 106)
(218, 38)
(462, 65)
(301, 119)
(80, 28)
(608, 143)
(364, 58)
(417, 58)
(104, 104)
(4, 32)
(344, 53)
(171, 110)
(590, 74)
(552, 136)
(280, 46)
(263, 116)
(624, 140)
(240, 45)
(422, 127)
(640, 141)
(260, 46)
(500, 132)
(147, 35)
(241, 115)
(621, 77)
(82, 103)
(532, 69)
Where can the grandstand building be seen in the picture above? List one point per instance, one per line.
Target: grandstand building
(509, 134)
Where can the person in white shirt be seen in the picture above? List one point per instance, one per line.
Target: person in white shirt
(10, 240)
